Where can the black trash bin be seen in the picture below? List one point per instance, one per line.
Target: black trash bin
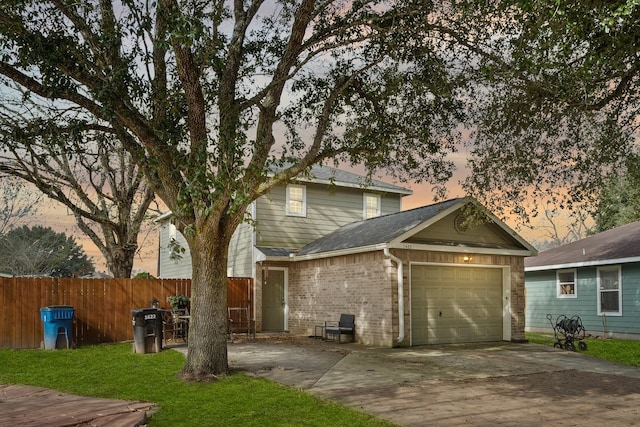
(58, 326)
(147, 330)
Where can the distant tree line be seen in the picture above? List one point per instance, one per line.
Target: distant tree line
(41, 251)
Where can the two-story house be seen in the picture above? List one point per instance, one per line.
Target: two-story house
(288, 218)
(333, 242)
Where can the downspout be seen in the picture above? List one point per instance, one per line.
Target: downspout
(398, 261)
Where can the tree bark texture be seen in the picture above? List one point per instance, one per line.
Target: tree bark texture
(207, 347)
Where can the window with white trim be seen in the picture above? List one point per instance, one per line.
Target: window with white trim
(610, 291)
(567, 284)
(296, 200)
(370, 205)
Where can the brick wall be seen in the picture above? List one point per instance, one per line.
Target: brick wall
(358, 284)
(366, 285)
(518, 299)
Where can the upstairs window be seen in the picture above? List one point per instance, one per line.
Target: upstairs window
(567, 284)
(371, 205)
(609, 291)
(296, 200)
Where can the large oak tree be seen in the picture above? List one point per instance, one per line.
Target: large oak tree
(560, 112)
(206, 96)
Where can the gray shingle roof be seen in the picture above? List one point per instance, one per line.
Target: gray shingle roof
(326, 174)
(375, 231)
(276, 252)
(613, 245)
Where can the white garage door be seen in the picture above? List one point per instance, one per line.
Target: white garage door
(452, 304)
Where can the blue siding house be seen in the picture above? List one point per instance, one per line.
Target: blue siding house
(596, 278)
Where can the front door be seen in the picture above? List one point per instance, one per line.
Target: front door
(274, 300)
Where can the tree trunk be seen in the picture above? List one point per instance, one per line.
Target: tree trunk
(207, 348)
(120, 261)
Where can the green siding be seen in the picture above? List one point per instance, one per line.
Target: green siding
(173, 268)
(240, 262)
(445, 231)
(541, 300)
(328, 208)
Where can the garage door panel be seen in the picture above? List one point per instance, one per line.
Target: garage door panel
(466, 334)
(455, 304)
(463, 274)
(447, 274)
(444, 334)
(431, 293)
(446, 293)
(465, 293)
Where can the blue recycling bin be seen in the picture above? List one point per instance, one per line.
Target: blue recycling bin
(58, 326)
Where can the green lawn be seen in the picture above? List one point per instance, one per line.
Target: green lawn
(626, 352)
(114, 371)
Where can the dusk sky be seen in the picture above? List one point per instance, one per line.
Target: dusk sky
(52, 214)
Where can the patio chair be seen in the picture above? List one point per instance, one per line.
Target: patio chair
(176, 323)
(239, 320)
(345, 326)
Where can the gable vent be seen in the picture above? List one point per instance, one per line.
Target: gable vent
(459, 224)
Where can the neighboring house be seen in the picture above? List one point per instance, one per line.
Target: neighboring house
(422, 276)
(597, 279)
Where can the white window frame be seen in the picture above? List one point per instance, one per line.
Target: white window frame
(563, 287)
(289, 211)
(365, 208)
(618, 270)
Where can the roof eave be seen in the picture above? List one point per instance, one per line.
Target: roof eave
(462, 249)
(340, 252)
(396, 190)
(163, 216)
(528, 249)
(593, 263)
(419, 247)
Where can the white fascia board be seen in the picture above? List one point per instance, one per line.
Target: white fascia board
(398, 190)
(261, 257)
(163, 216)
(276, 258)
(373, 187)
(461, 249)
(583, 264)
(341, 252)
(432, 248)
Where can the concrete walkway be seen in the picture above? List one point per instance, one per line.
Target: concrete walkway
(482, 384)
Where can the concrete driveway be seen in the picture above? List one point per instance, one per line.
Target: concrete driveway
(480, 384)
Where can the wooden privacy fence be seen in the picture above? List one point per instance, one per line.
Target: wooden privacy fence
(102, 306)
